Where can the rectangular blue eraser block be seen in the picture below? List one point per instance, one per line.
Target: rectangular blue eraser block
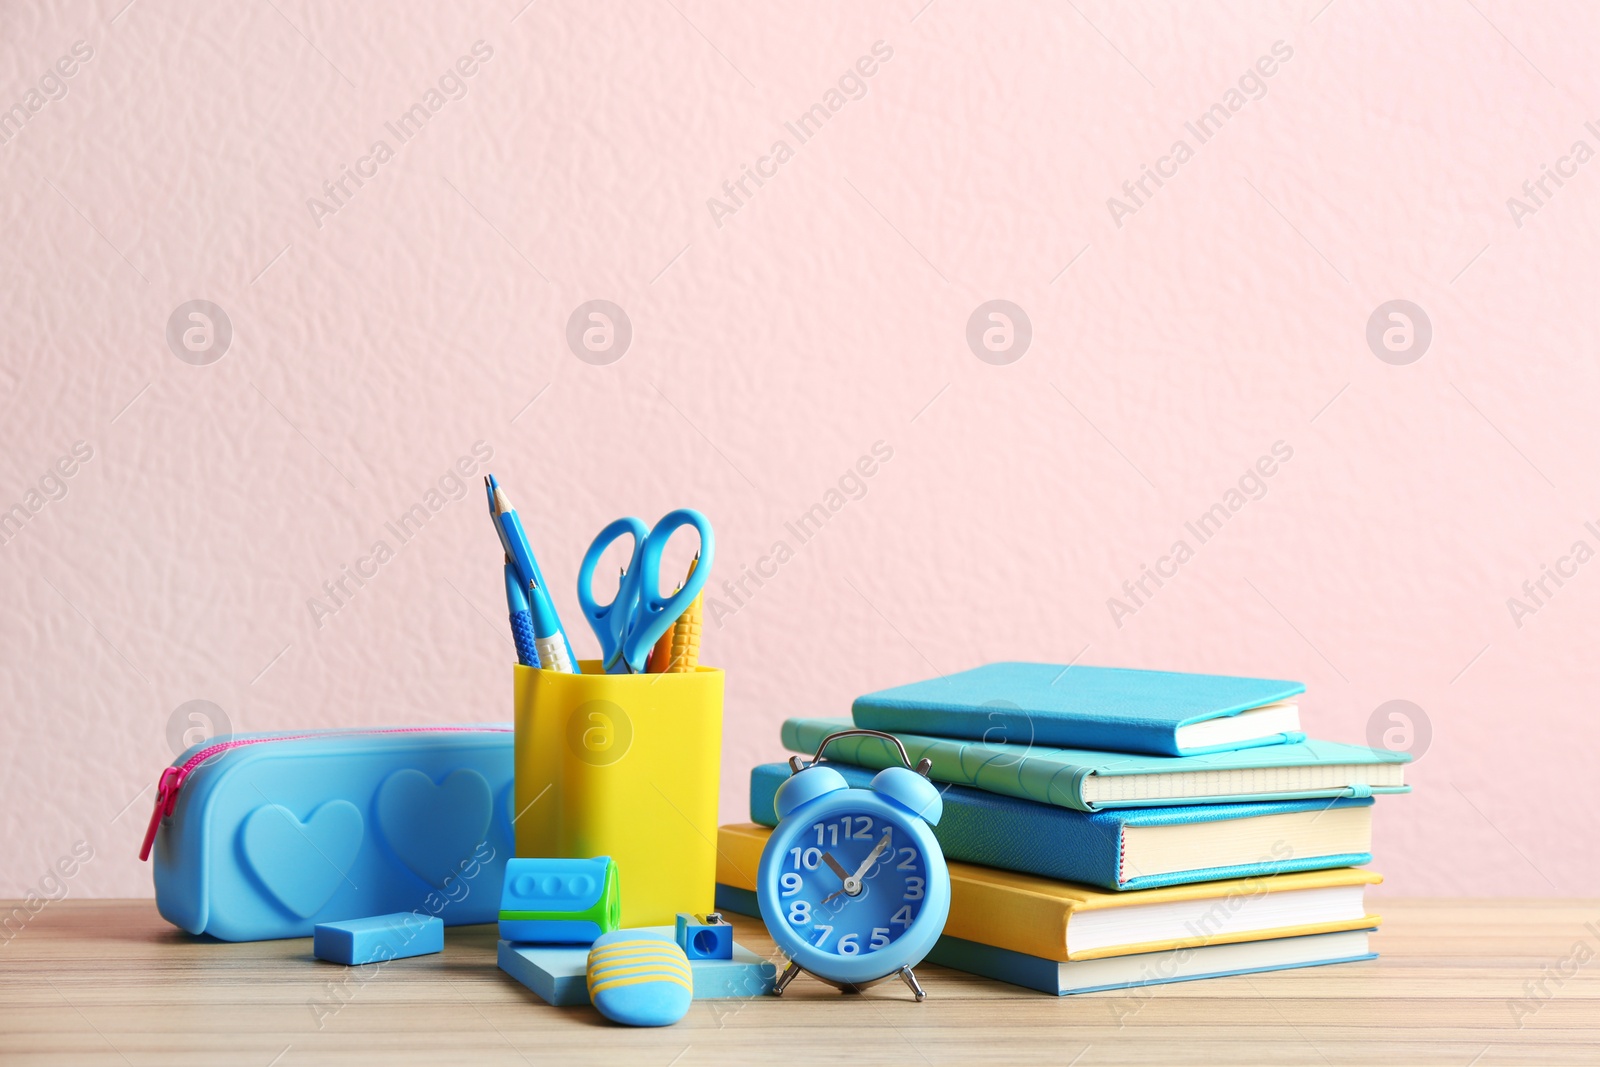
(379, 938)
(704, 937)
(558, 974)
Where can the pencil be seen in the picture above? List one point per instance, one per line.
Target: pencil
(508, 524)
(678, 651)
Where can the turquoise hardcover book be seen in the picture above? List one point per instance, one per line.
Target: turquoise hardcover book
(1090, 780)
(1128, 848)
(1159, 713)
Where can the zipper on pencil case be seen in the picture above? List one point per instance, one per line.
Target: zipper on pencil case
(172, 778)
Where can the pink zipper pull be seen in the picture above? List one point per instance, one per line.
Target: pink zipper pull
(166, 800)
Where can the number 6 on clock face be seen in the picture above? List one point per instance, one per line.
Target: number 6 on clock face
(853, 885)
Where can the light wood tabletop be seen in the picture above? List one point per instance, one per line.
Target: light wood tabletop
(1459, 982)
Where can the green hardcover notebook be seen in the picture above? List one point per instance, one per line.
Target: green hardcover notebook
(1091, 780)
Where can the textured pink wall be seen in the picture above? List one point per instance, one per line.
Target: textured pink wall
(1176, 339)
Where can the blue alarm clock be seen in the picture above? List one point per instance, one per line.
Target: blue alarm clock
(853, 886)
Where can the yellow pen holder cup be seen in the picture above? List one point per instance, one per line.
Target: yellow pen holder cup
(626, 766)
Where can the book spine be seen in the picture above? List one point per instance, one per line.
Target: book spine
(1017, 968)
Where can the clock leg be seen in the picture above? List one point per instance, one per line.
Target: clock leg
(911, 983)
(785, 978)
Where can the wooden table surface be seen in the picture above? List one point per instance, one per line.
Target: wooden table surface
(1459, 982)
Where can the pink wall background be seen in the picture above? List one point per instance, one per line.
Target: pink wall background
(827, 313)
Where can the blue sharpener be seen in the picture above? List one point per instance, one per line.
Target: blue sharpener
(705, 937)
(559, 901)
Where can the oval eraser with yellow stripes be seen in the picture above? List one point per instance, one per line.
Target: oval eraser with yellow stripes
(640, 978)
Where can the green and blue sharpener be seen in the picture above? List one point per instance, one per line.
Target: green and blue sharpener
(560, 901)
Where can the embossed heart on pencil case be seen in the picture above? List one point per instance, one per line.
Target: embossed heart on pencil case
(262, 836)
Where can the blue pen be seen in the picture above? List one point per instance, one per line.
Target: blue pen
(547, 636)
(521, 619)
(515, 540)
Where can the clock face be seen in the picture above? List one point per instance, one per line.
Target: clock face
(851, 884)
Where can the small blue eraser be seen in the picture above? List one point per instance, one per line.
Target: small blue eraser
(379, 938)
(705, 937)
(639, 978)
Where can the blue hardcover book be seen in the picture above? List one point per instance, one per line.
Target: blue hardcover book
(1090, 780)
(1159, 713)
(1151, 968)
(1130, 848)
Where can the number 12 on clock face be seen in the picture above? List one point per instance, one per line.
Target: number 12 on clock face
(854, 886)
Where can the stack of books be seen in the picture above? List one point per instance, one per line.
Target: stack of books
(1110, 828)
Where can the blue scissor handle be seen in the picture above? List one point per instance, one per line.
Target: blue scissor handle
(610, 621)
(655, 613)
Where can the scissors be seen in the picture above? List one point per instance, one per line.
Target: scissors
(630, 625)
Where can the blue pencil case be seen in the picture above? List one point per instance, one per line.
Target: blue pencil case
(262, 836)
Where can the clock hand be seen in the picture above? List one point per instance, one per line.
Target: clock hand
(872, 857)
(852, 882)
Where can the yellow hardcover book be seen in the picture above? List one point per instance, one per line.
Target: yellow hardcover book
(1065, 921)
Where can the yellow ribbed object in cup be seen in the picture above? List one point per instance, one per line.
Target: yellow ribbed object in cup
(678, 651)
(626, 766)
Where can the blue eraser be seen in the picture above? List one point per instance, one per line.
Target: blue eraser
(559, 901)
(557, 972)
(639, 978)
(379, 938)
(704, 937)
